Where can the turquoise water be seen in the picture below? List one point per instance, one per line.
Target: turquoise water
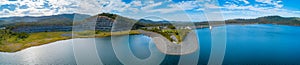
(246, 44)
(256, 44)
(263, 44)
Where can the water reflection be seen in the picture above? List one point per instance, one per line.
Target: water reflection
(60, 52)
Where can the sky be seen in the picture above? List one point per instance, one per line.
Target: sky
(172, 10)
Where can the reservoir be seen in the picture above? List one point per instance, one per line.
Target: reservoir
(245, 44)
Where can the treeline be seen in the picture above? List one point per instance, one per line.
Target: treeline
(112, 16)
(267, 20)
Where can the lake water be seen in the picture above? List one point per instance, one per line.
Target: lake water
(246, 44)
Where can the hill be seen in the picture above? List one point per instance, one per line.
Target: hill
(49, 19)
(67, 20)
(295, 21)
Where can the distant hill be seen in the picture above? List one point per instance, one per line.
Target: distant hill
(150, 21)
(259, 20)
(141, 22)
(67, 19)
(147, 22)
(53, 18)
(268, 20)
(2, 22)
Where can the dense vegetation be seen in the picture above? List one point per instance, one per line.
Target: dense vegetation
(15, 41)
(113, 16)
(9, 36)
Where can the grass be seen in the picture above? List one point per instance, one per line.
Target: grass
(13, 43)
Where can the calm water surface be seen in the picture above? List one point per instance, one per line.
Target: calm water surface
(246, 44)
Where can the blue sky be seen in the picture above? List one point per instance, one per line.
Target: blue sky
(174, 10)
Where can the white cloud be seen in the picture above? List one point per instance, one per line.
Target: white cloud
(271, 2)
(186, 5)
(136, 3)
(245, 1)
(36, 8)
(165, 10)
(151, 6)
(209, 5)
(200, 9)
(136, 9)
(235, 9)
(273, 6)
(296, 11)
(265, 1)
(175, 7)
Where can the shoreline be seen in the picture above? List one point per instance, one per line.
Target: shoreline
(35, 46)
(50, 40)
(152, 35)
(22, 46)
(15, 47)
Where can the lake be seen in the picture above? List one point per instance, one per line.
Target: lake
(246, 44)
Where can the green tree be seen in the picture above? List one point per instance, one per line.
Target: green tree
(22, 35)
(171, 27)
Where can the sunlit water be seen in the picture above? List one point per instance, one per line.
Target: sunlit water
(246, 44)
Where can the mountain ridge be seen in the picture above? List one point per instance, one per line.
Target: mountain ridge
(274, 19)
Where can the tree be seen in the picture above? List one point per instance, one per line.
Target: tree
(171, 27)
(22, 35)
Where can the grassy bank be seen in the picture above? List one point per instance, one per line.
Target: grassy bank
(13, 43)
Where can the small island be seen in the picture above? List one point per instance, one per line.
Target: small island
(20, 35)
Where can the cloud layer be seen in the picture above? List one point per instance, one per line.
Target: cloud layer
(168, 9)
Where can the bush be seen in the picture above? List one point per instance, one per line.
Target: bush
(22, 35)
(171, 27)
